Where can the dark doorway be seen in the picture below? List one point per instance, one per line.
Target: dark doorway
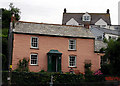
(54, 61)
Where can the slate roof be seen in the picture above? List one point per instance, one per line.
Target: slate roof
(116, 27)
(99, 44)
(108, 31)
(52, 29)
(94, 17)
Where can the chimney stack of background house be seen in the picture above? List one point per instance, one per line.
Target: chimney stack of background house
(119, 13)
(108, 11)
(65, 10)
(13, 19)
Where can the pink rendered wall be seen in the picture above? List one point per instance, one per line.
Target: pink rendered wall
(84, 51)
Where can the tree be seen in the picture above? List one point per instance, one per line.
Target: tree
(6, 19)
(6, 15)
(112, 55)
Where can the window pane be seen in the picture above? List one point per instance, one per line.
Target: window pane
(72, 61)
(34, 42)
(33, 59)
(72, 44)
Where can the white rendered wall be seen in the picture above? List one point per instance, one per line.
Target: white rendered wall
(72, 22)
(101, 22)
(107, 36)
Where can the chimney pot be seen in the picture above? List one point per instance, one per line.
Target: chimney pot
(65, 10)
(108, 11)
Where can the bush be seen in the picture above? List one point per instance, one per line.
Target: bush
(23, 65)
(67, 78)
(94, 77)
(31, 78)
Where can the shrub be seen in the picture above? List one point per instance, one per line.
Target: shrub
(23, 65)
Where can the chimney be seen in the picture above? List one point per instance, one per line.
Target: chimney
(108, 11)
(13, 20)
(65, 10)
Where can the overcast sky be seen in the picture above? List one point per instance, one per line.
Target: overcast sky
(51, 11)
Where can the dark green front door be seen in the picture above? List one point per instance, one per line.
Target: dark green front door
(54, 63)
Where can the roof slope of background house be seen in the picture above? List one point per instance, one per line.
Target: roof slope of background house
(99, 45)
(94, 17)
(102, 31)
(52, 29)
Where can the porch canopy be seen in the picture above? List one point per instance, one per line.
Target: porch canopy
(54, 52)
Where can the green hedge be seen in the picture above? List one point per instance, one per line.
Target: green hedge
(94, 78)
(29, 77)
(45, 78)
(67, 78)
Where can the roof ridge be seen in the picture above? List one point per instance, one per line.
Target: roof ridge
(48, 24)
(88, 13)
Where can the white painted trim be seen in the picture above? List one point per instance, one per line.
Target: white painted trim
(86, 15)
(75, 61)
(37, 59)
(74, 44)
(37, 42)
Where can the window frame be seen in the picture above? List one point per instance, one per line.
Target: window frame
(72, 44)
(75, 61)
(31, 56)
(37, 42)
(86, 18)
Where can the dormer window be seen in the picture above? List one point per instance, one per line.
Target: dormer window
(86, 17)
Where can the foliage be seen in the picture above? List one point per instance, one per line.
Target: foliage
(67, 78)
(97, 76)
(112, 53)
(106, 69)
(42, 71)
(23, 65)
(14, 10)
(4, 32)
(105, 40)
(88, 65)
(6, 19)
(88, 72)
(29, 77)
(98, 72)
(4, 53)
(33, 79)
(4, 61)
(4, 76)
(102, 50)
(6, 15)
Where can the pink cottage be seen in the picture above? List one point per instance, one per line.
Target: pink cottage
(54, 48)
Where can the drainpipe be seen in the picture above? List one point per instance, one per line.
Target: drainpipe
(10, 48)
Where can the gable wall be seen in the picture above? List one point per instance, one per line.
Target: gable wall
(72, 22)
(101, 22)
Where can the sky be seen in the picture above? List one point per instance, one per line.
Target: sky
(51, 11)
